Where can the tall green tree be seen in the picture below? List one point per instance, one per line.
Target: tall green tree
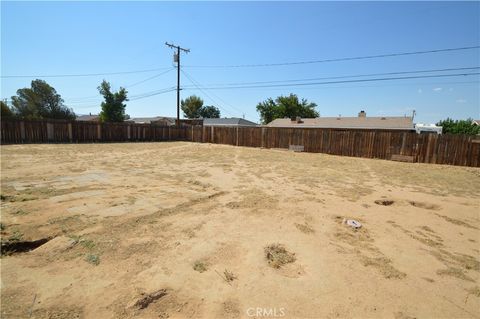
(40, 101)
(209, 112)
(5, 110)
(449, 126)
(286, 106)
(192, 108)
(113, 108)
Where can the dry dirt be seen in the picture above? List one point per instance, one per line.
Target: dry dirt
(130, 222)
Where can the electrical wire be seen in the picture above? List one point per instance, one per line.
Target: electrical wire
(335, 59)
(346, 76)
(197, 85)
(344, 81)
(142, 96)
(95, 97)
(82, 75)
(218, 97)
(149, 78)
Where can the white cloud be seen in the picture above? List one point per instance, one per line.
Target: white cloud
(461, 101)
(419, 91)
(437, 89)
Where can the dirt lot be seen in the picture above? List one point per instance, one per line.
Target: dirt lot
(183, 230)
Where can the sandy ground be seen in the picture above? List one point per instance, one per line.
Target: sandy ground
(179, 230)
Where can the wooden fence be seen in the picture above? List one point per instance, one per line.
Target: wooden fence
(56, 131)
(409, 146)
(384, 144)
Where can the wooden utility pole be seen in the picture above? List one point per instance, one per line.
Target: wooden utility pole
(177, 59)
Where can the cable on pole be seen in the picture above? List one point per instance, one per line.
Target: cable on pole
(345, 81)
(335, 59)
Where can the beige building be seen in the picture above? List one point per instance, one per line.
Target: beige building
(359, 122)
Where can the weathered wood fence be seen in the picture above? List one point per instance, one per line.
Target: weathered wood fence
(383, 144)
(57, 131)
(460, 150)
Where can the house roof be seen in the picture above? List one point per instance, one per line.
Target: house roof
(87, 118)
(232, 121)
(477, 122)
(391, 123)
(149, 120)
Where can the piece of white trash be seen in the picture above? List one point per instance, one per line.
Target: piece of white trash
(353, 223)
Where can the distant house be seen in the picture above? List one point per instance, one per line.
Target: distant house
(428, 128)
(232, 121)
(476, 122)
(158, 120)
(359, 122)
(89, 117)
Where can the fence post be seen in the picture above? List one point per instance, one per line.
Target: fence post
(50, 132)
(22, 131)
(128, 132)
(263, 137)
(404, 140)
(192, 133)
(237, 135)
(70, 132)
(99, 131)
(212, 139)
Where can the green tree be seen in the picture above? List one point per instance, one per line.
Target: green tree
(113, 109)
(5, 111)
(191, 107)
(449, 126)
(40, 101)
(285, 106)
(209, 112)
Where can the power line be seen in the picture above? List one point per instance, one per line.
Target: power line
(346, 76)
(197, 85)
(342, 86)
(95, 97)
(335, 59)
(149, 94)
(218, 97)
(149, 78)
(134, 97)
(81, 75)
(344, 81)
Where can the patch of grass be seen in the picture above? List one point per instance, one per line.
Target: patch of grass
(229, 276)
(277, 255)
(93, 259)
(20, 212)
(456, 221)
(384, 202)
(33, 193)
(2, 226)
(454, 272)
(25, 198)
(15, 236)
(87, 243)
(305, 228)
(384, 265)
(200, 266)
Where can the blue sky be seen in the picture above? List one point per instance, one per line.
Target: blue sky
(51, 38)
